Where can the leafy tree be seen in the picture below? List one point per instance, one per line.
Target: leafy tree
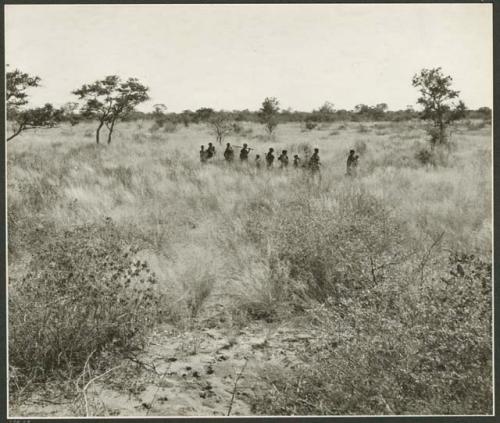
(268, 113)
(204, 114)
(17, 82)
(326, 113)
(187, 117)
(40, 117)
(327, 108)
(111, 99)
(220, 125)
(437, 99)
(365, 112)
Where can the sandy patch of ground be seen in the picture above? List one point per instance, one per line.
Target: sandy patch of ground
(183, 374)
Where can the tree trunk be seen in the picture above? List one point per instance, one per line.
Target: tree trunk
(441, 132)
(15, 134)
(97, 132)
(111, 130)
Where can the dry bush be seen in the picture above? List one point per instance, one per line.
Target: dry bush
(84, 292)
(314, 250)
(408, 344)
(309, 125)
(289, 245)
(399, 332)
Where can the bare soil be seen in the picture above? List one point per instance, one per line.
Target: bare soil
(207, 372)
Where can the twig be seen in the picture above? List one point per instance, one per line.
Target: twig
(46, 401)
(158, 388)
(236, 386)
(147, 366)
(91, 381)
(427, 255)
(77, 382)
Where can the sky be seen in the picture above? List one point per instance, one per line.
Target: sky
(233, 56)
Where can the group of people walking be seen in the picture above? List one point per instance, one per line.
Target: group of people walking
(312, 163)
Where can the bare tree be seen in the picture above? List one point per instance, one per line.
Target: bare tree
(220, 125)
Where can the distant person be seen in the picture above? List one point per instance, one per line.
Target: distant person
(355, 165)
(314, 163)
(283, 159)
(210, 151)
(258, 162)
(244, 153)
(229, 153)
(203, 154)
(351, 163)
(270, 157)
(296, 161)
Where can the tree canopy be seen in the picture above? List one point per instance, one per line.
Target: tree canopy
(111, 99)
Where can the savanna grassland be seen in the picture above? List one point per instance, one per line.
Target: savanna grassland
(272, 291)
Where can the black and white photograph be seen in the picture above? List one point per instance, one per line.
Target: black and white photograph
(280, 209)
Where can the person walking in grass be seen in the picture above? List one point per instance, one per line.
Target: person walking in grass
(244, 153)
(203, 154)
(283, 159)
(229, 153)
(352, 163)
(314, 163)
(210, 151)
(257, 161)
(296, 161)
(270, 158)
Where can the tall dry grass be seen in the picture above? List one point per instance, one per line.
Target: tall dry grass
(270, 243)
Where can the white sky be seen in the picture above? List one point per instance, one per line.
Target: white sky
(232, 56)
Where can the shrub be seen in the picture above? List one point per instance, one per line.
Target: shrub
(330, 249)
(321, 250)
(237, 128)
(425, 157)
(310, 125)
(84, 293)
(410, 347)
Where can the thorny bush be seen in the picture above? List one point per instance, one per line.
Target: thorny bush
(84, 294)
(402, 346)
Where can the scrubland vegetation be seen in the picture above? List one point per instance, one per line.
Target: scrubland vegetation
(393, 268)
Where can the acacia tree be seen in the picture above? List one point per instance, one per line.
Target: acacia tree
(220, 126)
(437, 99)
(17, 82)
(36, 118)
(111, 99)
(268, 113)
